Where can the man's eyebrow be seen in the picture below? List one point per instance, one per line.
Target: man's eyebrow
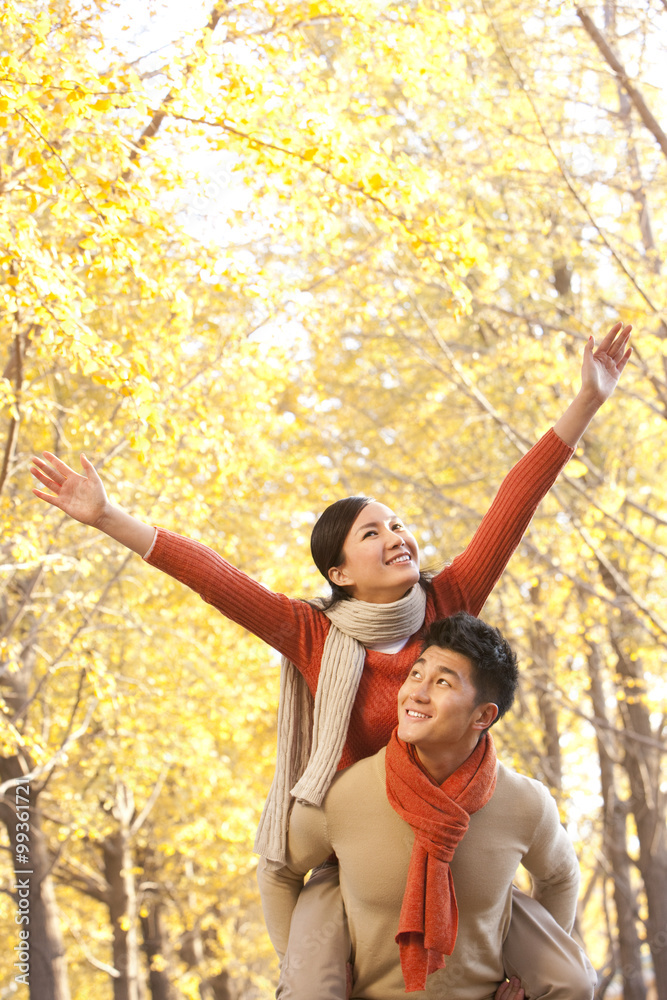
(448, 670)
(441, 668)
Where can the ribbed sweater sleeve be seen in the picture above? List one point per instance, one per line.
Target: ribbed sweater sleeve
(294, 628)
(466, 583)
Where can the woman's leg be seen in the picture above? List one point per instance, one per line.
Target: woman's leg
(549, 963)
(319, 943)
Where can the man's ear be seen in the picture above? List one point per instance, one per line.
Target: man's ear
(485, 715)
(339, 576)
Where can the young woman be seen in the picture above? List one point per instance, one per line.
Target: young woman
(344, 660)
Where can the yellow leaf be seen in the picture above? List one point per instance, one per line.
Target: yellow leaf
(576, 469)
(375, 182)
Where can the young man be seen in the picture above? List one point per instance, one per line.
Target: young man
(429, 834)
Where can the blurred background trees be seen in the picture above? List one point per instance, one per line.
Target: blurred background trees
(261, 257)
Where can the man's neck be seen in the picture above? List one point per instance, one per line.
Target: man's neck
(441, 764)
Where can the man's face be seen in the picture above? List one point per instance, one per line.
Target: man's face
(438, 705)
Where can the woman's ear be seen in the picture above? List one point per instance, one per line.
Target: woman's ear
(339, 576)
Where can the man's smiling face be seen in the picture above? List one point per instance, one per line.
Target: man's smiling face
(438, 705)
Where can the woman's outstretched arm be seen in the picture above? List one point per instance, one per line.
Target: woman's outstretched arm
(469, 579)
(84, 498)
(293, 627)
(600, 372)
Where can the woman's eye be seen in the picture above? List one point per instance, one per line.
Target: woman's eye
(368, 534)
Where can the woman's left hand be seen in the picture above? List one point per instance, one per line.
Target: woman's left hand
(602, 367)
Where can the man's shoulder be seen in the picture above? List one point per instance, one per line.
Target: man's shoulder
(520, 788)
(362, 770)
(365, 775)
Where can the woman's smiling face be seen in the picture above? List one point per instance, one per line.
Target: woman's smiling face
(380, 557)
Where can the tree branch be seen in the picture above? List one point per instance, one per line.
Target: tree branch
(617, 67)
(567, 179)
(152, 799)
(160, 114)
(37, 772)
(256, 143)
(598, 723)
(12, 432)
(470, 387)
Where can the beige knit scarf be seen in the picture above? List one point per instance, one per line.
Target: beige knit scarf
(312, 733)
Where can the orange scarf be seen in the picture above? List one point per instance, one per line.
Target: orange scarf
(439, 816)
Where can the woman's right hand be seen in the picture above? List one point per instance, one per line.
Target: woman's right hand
(511, 990)
(82, 497)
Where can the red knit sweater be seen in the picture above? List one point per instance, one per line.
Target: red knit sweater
(298, 630)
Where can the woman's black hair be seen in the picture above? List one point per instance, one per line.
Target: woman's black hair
(328, 538)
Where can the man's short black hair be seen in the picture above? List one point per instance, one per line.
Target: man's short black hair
(495, 674)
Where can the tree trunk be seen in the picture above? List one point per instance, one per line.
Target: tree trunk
(220, 987)
(123, 908)
(542, 652)
(642, 762)
(627, 952)
(157, 948)
(39, 952)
